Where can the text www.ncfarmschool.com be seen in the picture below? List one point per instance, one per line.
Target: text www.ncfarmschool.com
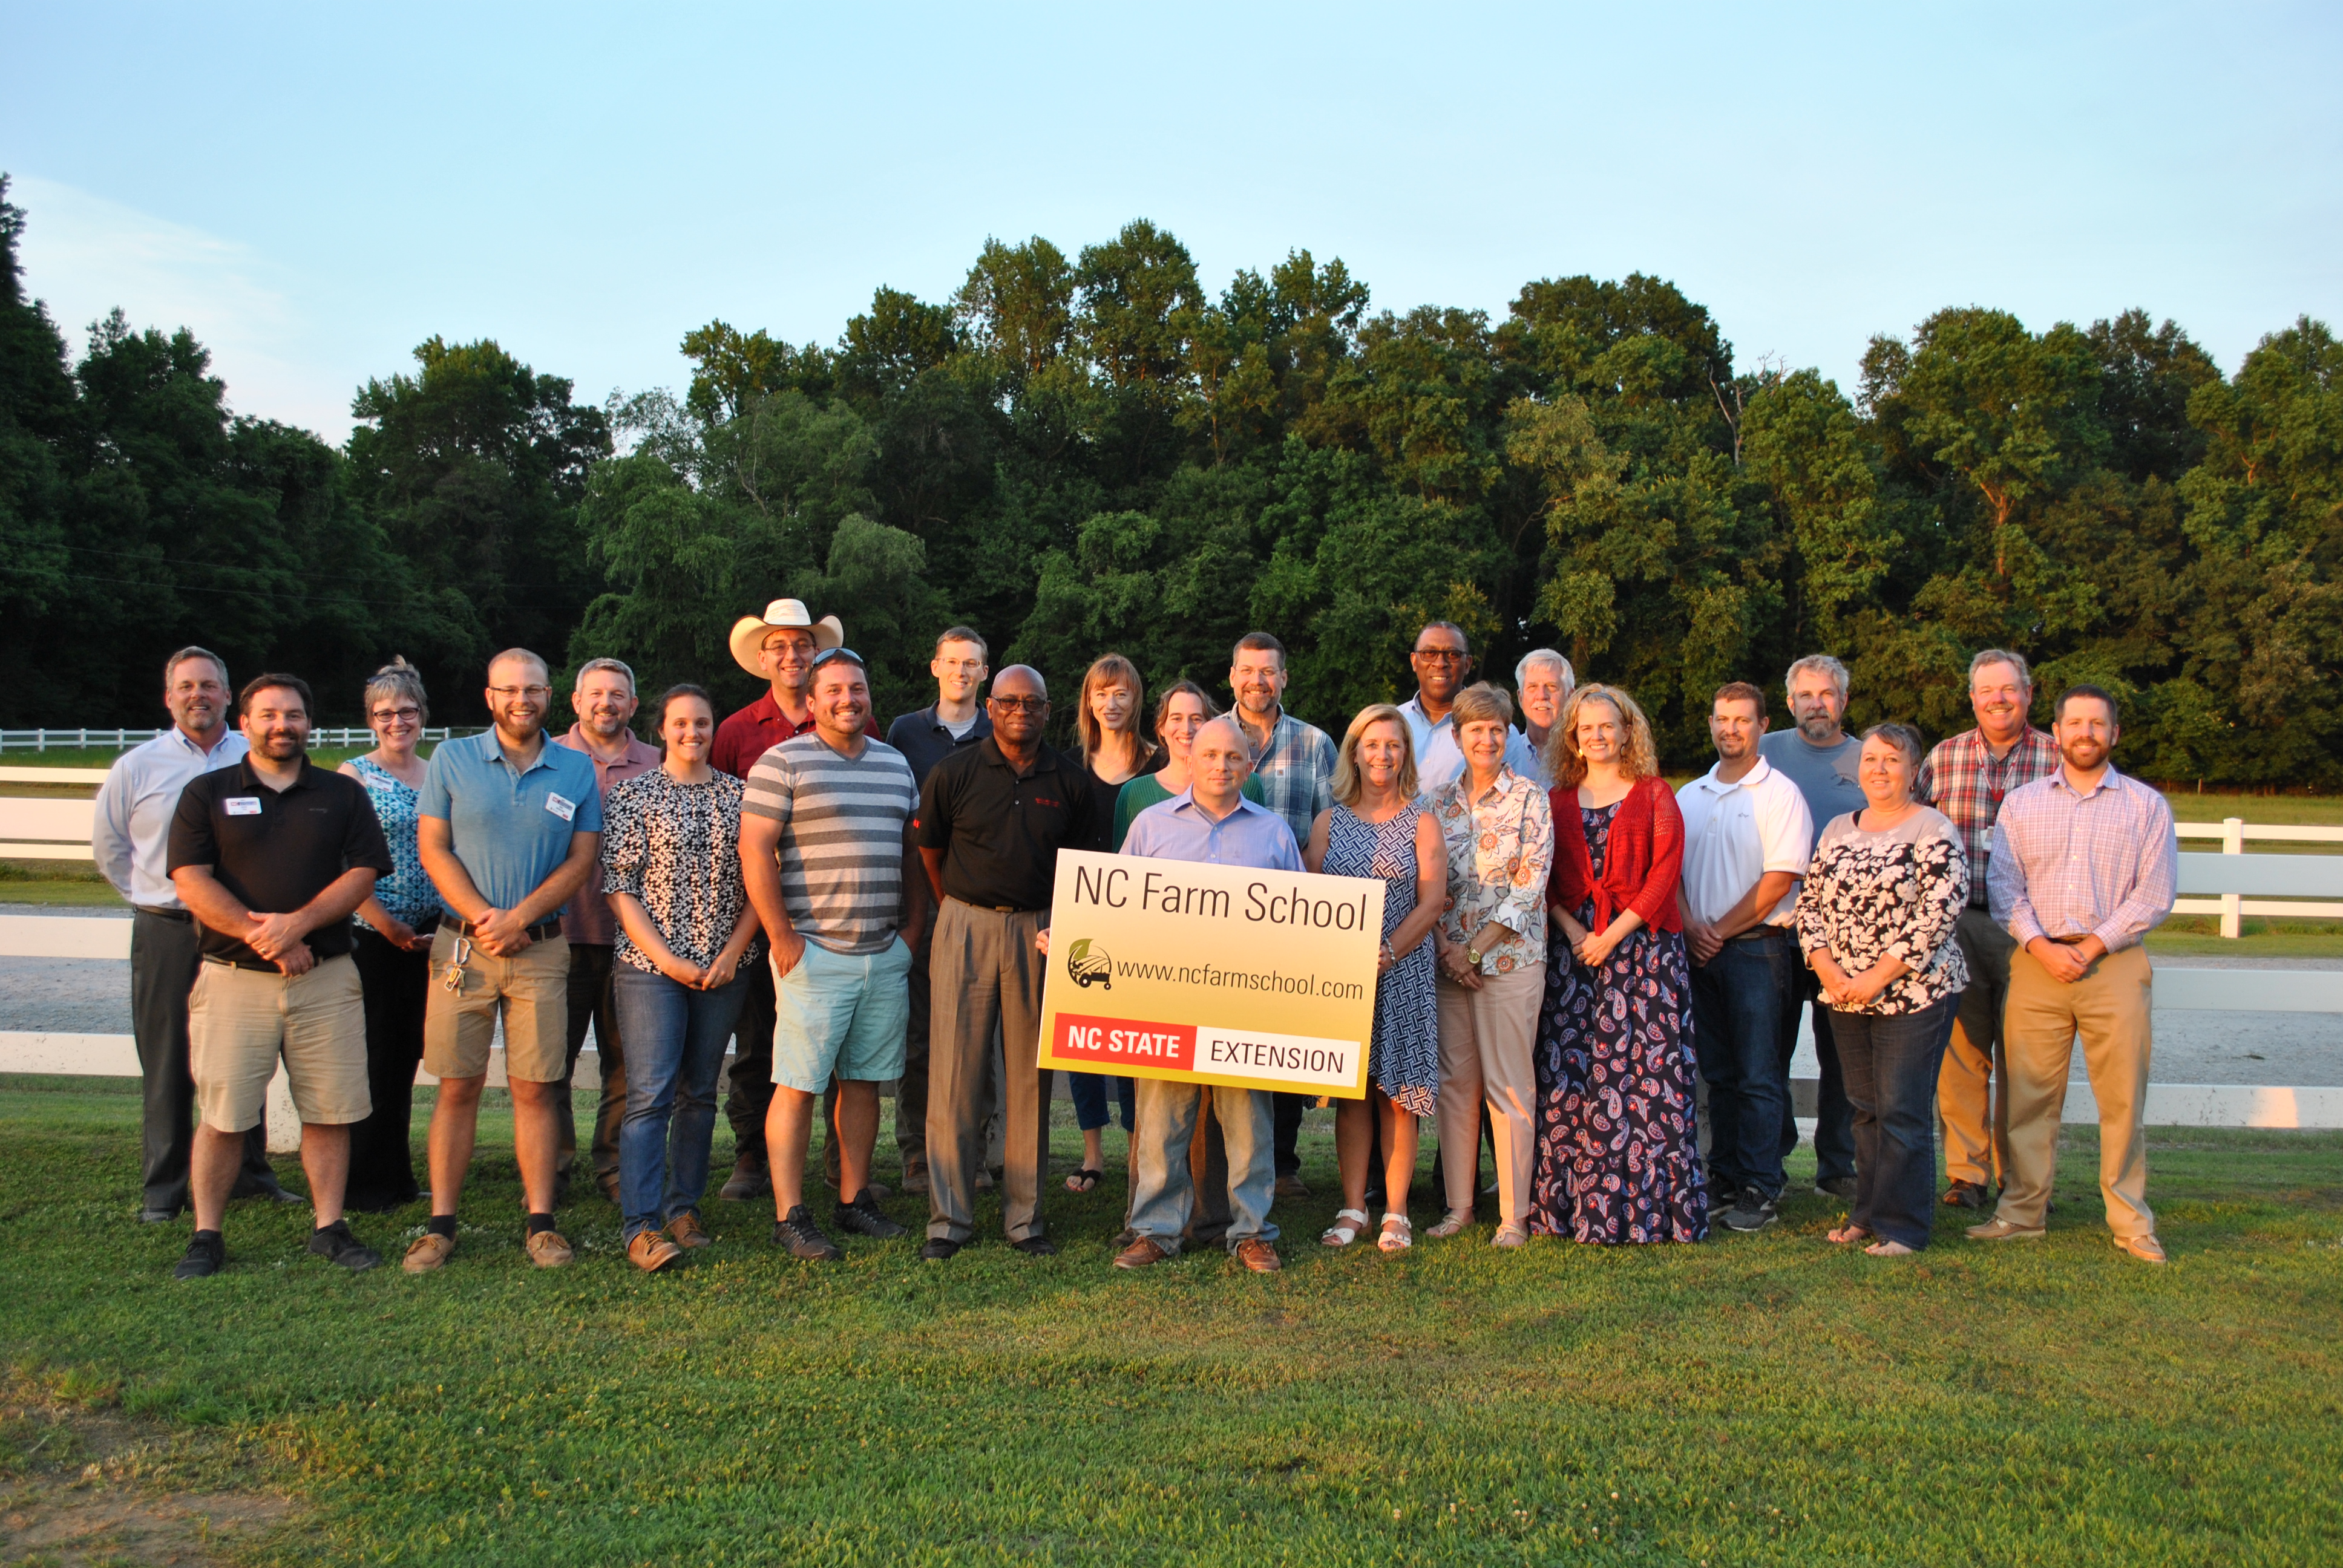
(1244, 980)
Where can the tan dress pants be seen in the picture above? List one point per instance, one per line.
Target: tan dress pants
(2108, 1008)
(1976, 1118)
(983, 976)
(1487, 1055)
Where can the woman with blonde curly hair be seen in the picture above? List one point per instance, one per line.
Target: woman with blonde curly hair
(1618, 1149)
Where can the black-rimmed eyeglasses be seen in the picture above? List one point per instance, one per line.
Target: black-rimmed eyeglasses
(1021, 704)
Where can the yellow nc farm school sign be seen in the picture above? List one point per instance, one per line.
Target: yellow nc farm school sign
(1212, 974)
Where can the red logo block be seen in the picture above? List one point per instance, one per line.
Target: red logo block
(1126, 1042)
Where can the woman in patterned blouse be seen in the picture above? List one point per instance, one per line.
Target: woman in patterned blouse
(671, 864)
(1491, 947)
(1876, 920)
(393, 950)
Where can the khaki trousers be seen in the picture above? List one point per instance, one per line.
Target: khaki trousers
(2108, 1008)
(1976, 1120)
(983, 973)
(1487, 1056)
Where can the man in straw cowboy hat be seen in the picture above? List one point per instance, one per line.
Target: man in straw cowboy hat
(778, 648)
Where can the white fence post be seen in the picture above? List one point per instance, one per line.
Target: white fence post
(2233, 905)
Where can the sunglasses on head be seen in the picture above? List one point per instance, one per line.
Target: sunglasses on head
(829, 654)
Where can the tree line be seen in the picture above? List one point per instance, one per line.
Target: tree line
(1086, 451)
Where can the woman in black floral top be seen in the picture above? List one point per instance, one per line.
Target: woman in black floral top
(1875, 921)
(671, 865)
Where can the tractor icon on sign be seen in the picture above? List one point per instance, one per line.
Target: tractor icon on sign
(1088, 966)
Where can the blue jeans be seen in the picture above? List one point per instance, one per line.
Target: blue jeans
(1090, 1092)
(1741, 1002)
(1891, 1061)
(1167, 1122)
(1833, 1117)
(675, 1048)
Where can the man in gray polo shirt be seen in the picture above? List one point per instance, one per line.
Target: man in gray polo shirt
(510, 825)
(827, 855)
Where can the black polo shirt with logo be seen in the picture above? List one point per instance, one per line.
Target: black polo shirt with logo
(274, 851)
(924, 741)
(1001, 833)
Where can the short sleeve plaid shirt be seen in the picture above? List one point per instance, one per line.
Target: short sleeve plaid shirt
(1965, 780)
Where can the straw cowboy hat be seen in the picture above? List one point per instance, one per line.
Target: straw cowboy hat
(749, 632)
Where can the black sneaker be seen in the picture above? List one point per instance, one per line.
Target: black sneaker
(863, 1218)
(1752, 1210)
(804, 1238)
(1839, 1187)
(335, 1243)
(205, 1255)
(939, 1248)
(1037, 1247)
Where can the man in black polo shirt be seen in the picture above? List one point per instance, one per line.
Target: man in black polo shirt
(272, 856)
(955, 721)
(992, 818)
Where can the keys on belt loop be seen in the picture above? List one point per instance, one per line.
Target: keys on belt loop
(454, 979)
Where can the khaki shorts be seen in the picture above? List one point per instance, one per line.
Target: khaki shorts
(531, 989)
(240, 1022)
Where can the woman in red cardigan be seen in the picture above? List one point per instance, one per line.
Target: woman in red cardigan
(1618, 1151)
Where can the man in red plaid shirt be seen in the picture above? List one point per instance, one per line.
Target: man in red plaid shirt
(1966, 778)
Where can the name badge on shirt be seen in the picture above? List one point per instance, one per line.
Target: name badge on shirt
(241, 805)
(560, 806)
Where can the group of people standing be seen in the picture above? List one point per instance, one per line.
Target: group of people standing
(1572, 952)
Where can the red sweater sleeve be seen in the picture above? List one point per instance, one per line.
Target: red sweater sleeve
(1655, 901)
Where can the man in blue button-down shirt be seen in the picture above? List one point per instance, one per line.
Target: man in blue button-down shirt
(509, 825)
(2085, 863)
(1210, 821)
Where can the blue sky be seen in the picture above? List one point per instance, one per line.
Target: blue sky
(316, 189)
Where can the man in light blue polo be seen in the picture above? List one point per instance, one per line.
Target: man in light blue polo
(510, 825)
(1210, 821)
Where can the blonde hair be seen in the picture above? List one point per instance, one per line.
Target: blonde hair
(1640, 759)
(1350, 783)
(1113, 669)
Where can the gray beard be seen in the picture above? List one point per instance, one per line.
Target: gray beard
(1817, 729)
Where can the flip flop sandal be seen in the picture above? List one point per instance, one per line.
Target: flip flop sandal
(1343, 1231)
(1083, 1180)
(1452, 1223)
(1398, 1234)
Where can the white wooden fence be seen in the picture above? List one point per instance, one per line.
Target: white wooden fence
(40, 740)
(2235, 883)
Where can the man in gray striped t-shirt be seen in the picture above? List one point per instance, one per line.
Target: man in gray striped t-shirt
(826, 851)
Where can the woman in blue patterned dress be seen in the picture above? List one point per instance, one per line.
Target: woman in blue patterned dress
(1618, 1149)
(1375, 829)
(393, 950)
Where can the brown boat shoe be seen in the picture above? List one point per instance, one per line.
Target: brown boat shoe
(651, 1251)
(686, 1230)
(1142, 1253)
(547, 1250)
(1259, 1256)
(427, 1252)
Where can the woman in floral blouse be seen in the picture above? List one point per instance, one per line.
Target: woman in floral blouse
(1876, 920)
(672, 862)
(1491, 943)
(1618, 1146)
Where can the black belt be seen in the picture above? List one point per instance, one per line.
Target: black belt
(182, 916)
(536, 933)
(996, 909)
(1757, 934)
(258, 966)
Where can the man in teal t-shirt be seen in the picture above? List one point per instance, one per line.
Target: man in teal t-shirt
(1820, 758)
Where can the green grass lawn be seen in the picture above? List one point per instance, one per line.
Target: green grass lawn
(1753, 1400)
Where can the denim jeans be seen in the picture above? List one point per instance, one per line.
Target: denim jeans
(1891, 1060)
(1833, 1117)
(1741, 1001)
(1165, 1191)
(675, 1049)
(1090, 1090)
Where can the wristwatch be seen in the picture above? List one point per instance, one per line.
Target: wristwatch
(1473, 957)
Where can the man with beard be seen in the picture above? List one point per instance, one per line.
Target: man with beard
(508, 827)
(992, 818)
(2084, 864)
(778, 648)
(131, 844)
(1966, 778)
(603, 698)
(272, 856)
(1747, 840)
(1822, 759)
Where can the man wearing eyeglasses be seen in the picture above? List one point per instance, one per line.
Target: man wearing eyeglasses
(1443, 661)
(778, 649)
(509, 826)
(992, 818)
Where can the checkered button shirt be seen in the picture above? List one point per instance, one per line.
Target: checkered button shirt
(2066, 865)
(1964, 779)
(1296, 770)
